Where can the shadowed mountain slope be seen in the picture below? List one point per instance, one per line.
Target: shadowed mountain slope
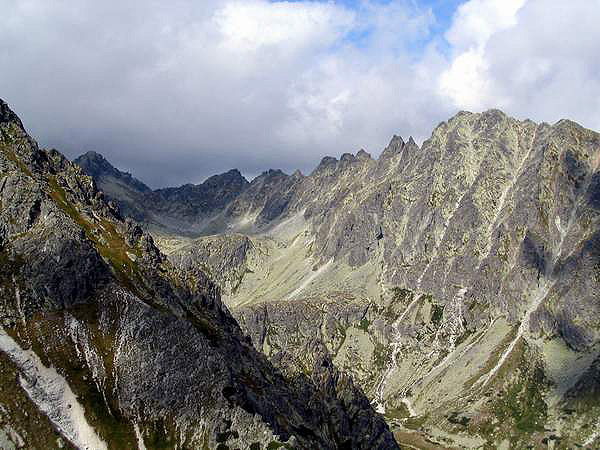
(105, 344)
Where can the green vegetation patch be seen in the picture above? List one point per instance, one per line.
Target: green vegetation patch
(382, 356)
(463, 337)
(159, 436)
(517, 410)
(437, 314)
(402, 295)
(364, 324)
(493, 358)
(109, 243)
(414, 423)
(523, 403)
(457, 419)
(11, 156)
(400, 412)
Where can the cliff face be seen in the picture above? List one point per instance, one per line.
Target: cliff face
(457, 281)
(105, 344)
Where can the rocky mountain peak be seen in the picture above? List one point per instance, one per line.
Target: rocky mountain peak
(268, 179)
(489, 117)
(7, 115)
(97, 166)
(272, 173)
(348, 158)
(327, 164)
(393, 148)
(232, 177)
(363, 155)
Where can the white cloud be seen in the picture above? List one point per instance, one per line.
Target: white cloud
(466, 81)
(250, 25)
(177, 91)
(536, 59)
(192, 88)
(477, 20)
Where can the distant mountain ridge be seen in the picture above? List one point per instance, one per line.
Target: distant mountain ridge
(96, 166)
(174, 209)
(213, 205)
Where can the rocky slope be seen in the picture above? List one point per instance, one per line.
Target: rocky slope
(105, 344)
(457, 282)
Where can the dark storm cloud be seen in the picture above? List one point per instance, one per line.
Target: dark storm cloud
(176, 91)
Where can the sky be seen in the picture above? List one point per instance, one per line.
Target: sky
(177, 91)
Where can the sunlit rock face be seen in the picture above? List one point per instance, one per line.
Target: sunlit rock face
(456, 282)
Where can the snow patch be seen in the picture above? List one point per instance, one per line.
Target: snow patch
(246, 220)
(290, 225)
(409, 407)
(140, 438)
(523, 327)
(52, 395)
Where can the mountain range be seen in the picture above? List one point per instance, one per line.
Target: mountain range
(105, 344)
(439, 296)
